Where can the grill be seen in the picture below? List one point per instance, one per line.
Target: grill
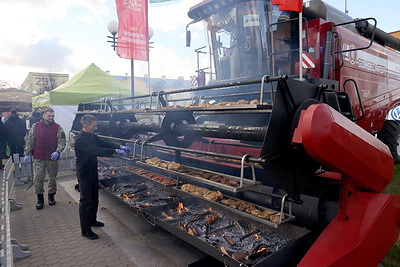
(230, 235)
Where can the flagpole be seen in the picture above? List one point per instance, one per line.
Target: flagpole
(132, 78)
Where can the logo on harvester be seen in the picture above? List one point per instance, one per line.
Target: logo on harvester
(307, 61)
(394, 113)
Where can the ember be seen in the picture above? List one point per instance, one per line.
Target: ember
(108, 172)
(218, 230)
(141, 193)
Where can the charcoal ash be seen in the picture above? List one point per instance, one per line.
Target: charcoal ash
(108, 172)
(224, 233)
(142, 194)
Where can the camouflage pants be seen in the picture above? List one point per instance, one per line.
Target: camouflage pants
(40, 168)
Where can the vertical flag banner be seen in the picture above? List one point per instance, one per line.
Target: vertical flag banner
(133, 30)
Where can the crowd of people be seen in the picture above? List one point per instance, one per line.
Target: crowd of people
(13, 130)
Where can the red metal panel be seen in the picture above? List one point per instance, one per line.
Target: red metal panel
(335, 141)
(363, 239)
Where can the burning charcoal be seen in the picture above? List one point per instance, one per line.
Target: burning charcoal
(223, 249)
(165, 215)
(223, 228)
(240, 227)
(229, 240)
(257, 251)
(192, 231)
(208, 229)
(249, 234)
(210, 219)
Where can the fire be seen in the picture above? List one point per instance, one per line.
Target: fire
(256, 236)
(180, 208)
(166, 215)
(262, 250)
(112, 172)
(127, 196)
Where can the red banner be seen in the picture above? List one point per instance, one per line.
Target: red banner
(133, 30)
(289, 5)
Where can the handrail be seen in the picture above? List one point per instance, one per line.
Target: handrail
(6, 247)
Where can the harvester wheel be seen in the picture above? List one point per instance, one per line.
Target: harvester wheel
(389, 136)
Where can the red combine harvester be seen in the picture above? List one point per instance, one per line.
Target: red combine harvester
(302, 130)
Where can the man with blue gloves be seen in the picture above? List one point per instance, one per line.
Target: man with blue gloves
(45, 142)
(87, 147)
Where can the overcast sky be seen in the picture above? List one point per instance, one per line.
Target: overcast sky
(65, 36)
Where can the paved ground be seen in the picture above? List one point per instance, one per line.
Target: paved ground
(53, 233)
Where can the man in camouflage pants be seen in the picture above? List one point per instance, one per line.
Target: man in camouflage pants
(46, 140)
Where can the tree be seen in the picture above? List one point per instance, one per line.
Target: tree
(4, 84)
(48, 83)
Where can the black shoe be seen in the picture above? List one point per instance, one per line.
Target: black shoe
(90, 235)
(52, 201)
(97, 224)
(40, 202)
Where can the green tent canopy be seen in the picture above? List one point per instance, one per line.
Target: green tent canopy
(88, 85)
(42, 100)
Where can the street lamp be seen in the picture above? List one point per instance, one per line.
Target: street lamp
(113, 29)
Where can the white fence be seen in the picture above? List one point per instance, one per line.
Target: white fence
(66, 162)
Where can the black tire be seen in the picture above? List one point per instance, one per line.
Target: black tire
(388, 135)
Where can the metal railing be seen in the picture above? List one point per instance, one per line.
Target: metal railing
(66, 162)
(10, 248)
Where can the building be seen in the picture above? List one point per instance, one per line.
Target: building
(38, 83)
(156, 84)
(395, 34)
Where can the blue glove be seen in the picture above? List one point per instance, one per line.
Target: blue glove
(26, 159)
(121, 152)
(54, 155)
(124, 148)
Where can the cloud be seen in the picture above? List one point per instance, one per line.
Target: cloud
(94, 11)
(169, 63)
(46, 53)
(170, 18)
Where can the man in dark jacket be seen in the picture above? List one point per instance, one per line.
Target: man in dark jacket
(15, 133)
(35, 117)
(87, 147)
